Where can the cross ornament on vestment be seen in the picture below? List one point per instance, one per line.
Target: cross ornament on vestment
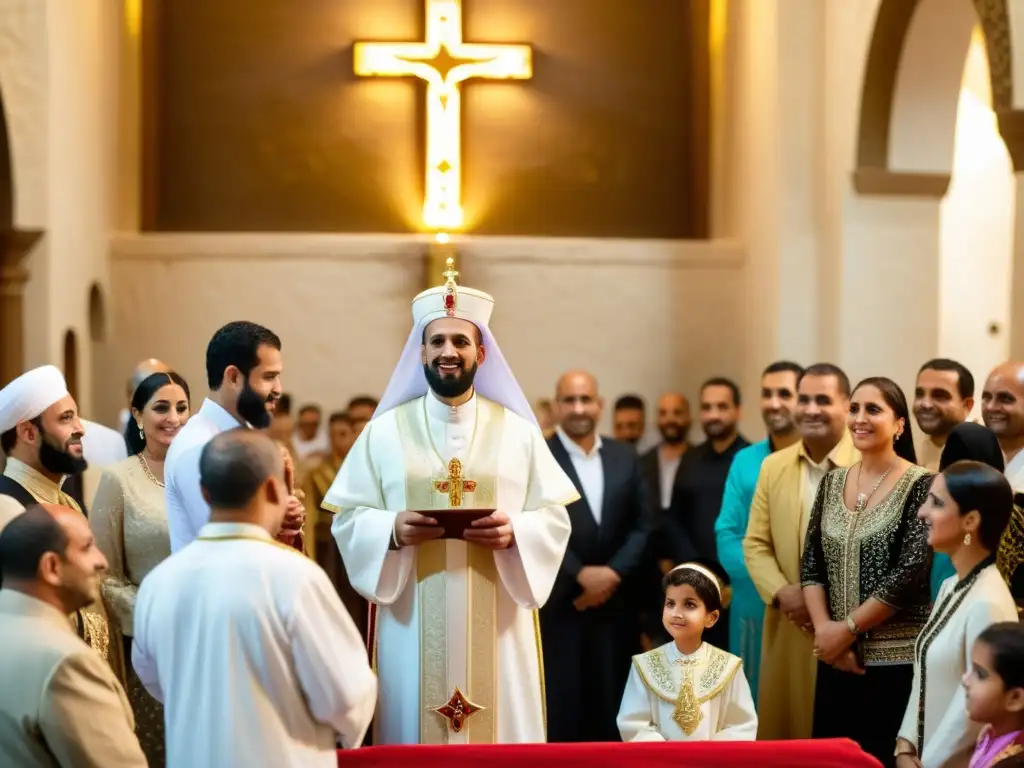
(455, 485)
(457, 710)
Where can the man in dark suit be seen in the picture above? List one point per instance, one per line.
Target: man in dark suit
(590, 624)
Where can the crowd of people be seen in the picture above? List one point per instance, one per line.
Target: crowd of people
(456, 566)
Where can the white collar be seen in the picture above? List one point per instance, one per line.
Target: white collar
(233, 530)
(574, 448)
(674, 654)
(216, 413)
(459, 414)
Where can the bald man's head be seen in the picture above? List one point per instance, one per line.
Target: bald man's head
(49, 550)
(673, 417)
(577, 404)
(1002, 402)
(143, 371)
(238, 465)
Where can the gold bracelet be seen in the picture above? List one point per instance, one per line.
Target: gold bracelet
(852, 626)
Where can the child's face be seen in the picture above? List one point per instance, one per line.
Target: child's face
(685, 616)
(987, 697)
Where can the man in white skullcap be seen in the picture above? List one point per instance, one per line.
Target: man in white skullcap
(455, 624)
(41, 435)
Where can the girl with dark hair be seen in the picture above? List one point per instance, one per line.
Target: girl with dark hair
(995, 695)
(129, 522)
(865, 575)
(688, 690)
(967, 510)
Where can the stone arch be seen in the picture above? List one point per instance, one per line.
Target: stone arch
(911, 87)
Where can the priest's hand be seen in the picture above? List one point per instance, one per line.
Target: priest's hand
(831, 640)
(599, 583)
(413, 529)
(790, 600)
(491, 532)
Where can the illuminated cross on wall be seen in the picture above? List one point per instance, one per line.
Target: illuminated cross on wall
(444, 62)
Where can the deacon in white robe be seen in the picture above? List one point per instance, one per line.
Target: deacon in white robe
(244, 639)
(455, 635)
(674, 697)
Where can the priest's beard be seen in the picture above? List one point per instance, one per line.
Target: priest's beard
(58, 461)
(446, 385)
(252, 407)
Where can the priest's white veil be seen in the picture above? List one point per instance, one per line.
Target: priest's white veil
(494, 379)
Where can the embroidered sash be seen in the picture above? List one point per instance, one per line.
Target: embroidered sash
(437, 562)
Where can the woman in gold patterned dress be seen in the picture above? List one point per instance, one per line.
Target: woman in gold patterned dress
(129, 521)
(865, 575)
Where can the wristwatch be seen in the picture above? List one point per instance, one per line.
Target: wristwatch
(852, 626)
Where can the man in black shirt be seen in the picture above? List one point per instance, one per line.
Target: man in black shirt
(689, 525)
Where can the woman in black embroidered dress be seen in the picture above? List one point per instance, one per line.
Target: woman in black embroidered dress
(866, 565)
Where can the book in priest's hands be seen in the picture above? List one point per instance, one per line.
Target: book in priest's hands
(455, 520)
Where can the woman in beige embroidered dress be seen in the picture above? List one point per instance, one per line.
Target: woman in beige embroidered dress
(866, 565)
(129, 521)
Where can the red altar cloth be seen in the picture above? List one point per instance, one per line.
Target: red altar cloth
(763, 754)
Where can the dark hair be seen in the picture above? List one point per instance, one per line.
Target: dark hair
(145, 392)
(972, 442)
(701, 584)
(283, 406)
(236, 344)
(10, 437)
(965, 380)
(630, 403)
(363, 401)
(311, 408)
(1006, 642)
(784, 366)
(977, 486)
(234, 464)
(827, 369)
(895, 399)
(25, 540)
(721, 381)
(340, 416)
(479, 335)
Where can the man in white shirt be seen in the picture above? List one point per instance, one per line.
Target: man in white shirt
(245, 641)
(455, 631)
(243, 367)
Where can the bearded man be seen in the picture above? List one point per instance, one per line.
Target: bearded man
(243, 369)
(455, 630)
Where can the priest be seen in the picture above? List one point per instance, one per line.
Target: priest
(456, 633)
(41, 436)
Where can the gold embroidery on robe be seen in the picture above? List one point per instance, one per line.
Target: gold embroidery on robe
(674, 682)
(426, 475)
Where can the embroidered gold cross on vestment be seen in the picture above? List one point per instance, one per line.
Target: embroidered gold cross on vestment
(457, 710)
(455, 485)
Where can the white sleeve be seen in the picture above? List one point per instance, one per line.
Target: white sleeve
(331, 661)
(187, 510)
(142, 660)
(635, 719)
(737, 720)
(362, 527)
(528, 569)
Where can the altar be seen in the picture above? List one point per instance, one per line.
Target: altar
(824, 753)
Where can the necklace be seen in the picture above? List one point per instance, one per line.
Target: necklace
(862, 498)
(147, 470)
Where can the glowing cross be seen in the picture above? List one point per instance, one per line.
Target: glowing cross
(444, 61)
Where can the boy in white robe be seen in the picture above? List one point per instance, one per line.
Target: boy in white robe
(688, 690)
(245, 639)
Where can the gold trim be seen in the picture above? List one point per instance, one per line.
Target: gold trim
(727, 677)
(482, 643)
(540, 666)
(331, 508)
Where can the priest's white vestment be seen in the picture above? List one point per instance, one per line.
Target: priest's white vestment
(453, 617)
